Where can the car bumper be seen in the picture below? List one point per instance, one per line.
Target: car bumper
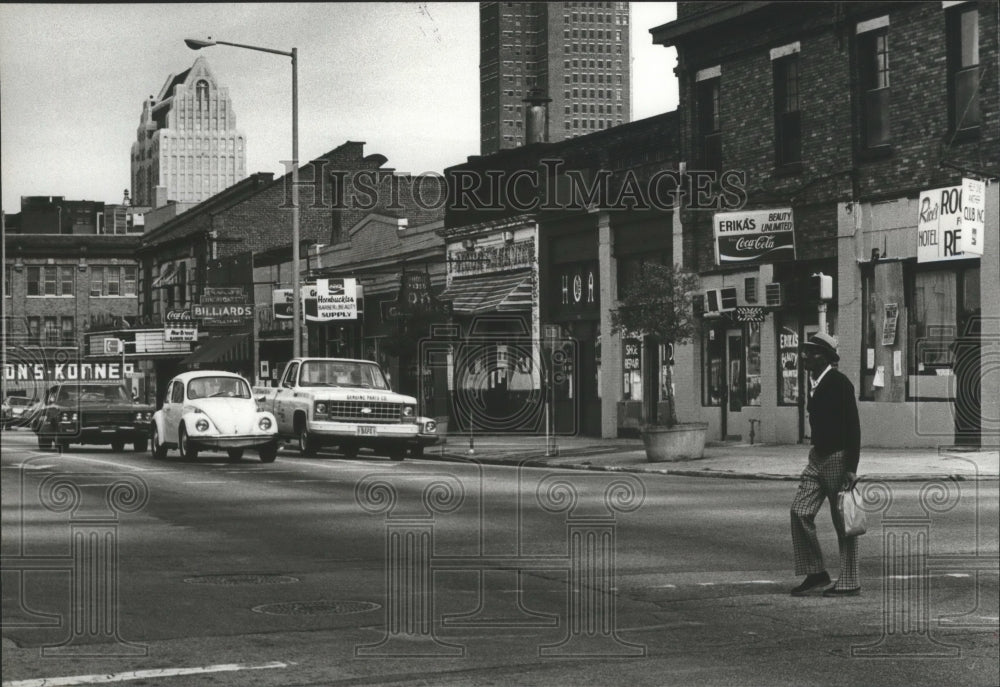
(233, 441)
(351, 430)
(101, 434)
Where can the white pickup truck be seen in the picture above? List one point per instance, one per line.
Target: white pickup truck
(343, 402)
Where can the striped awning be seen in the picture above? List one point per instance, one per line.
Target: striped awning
(510, 291)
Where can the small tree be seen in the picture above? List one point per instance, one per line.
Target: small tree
(658, 303)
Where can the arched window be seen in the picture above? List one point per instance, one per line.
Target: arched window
(201, 91)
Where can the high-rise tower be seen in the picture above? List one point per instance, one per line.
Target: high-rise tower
(188, 147)
(574, 53)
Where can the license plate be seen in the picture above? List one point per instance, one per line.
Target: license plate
(366, 430)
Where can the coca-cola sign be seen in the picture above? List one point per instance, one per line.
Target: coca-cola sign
(754, 236)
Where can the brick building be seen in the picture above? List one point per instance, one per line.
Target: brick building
(239, 240)
(57, 289)
(848, 120)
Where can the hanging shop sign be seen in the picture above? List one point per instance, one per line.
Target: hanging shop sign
(336, 299)
(180, 333)
(749, 313)
(754, 236)
(950, 222)
(415, 298)
(223, 294)
(492, 258)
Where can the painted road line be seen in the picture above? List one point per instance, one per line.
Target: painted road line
(140, 675)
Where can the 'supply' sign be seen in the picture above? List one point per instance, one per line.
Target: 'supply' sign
(950, 222)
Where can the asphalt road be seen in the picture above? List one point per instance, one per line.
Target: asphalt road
(327, 571)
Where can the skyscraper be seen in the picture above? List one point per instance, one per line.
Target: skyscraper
(576, 54)
(188, 147)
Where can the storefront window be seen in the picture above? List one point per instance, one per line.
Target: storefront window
(753, 364)
(788, 359)
(632, 372)
(714, 373)
(666, 358)
(942, 303)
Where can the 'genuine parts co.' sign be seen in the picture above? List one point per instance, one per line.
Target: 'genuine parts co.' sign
(754, 236)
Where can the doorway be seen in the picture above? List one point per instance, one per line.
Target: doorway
(732, 409)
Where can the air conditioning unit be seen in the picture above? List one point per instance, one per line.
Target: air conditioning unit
(750, 289)
(774, 294)
(720, 300)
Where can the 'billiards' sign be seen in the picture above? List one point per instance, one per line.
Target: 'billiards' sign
(754, 236)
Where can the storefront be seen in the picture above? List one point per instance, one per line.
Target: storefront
(924, 347)
(493, 356)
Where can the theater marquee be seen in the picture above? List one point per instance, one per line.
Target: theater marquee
(754, 236)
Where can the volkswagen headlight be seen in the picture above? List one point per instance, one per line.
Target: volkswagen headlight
(265, 423)
(201, 425)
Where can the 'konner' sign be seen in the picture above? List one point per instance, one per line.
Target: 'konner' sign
(754, 236)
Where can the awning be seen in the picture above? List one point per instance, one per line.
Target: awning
(510, 291)
(222, 349)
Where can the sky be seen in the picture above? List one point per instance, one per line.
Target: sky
(402, 77)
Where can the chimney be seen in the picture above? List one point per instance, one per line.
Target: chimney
(536, 117)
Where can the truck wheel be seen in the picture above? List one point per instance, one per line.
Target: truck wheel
(235, 454)
(268, 453)
(139, 445)
(417, 452)
(117, 446)
(44, 443)
(159, 450)
(307, 445)
(349, 450)
(184, 448)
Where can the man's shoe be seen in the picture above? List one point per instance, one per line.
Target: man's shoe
(811, 582)
(833, 591)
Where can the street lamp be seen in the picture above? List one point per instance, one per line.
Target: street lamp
(197, 44)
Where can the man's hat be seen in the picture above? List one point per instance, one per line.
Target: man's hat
(825, 344)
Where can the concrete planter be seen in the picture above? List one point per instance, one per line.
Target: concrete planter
(683, 441)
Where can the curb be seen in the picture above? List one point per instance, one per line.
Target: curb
(539, 461)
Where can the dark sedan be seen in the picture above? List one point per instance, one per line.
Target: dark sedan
(92, 413)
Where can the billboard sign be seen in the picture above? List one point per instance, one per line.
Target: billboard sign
(754, 236)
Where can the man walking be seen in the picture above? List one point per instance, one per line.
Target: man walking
(833, 461)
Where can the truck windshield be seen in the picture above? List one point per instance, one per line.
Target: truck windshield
(341, 373)
(93, 393)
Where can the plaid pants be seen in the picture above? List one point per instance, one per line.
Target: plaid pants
(822, 479)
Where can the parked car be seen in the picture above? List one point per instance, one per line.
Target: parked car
(91, 412)
(214, 411)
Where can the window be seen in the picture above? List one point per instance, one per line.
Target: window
(943, 303)
(50, 331)
(709, 124)
(713, 373)
(50, 280)
(873, 65)
(34, 327)
(112, 280)
(66, 325)
(787, 326)
(963, 67)
(787, 117)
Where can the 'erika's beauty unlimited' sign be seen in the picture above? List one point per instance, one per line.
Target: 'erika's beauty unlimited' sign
(754, 236)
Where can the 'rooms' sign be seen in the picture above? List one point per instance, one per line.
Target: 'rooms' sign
(950, 222)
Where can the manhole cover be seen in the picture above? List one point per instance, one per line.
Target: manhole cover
(316, 607)
(241, 579)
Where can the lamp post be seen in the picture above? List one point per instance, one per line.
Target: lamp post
(196, 44)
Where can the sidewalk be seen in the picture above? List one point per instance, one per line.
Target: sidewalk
(740, 461)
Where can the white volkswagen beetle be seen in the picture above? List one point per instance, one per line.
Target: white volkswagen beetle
(212, 410)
